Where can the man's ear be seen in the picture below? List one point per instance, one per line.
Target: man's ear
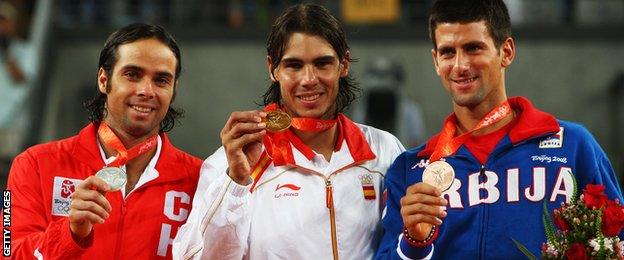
(508, 51)
(102, 80)
(270, 66)
(434, 55)
(345, 64)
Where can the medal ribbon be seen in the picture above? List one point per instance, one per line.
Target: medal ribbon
(109, 138)
(278, 144)
(311, 124)
(448, 144)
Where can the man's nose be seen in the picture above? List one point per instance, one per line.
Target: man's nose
(462, 62)
(146, 89)
(309, 76)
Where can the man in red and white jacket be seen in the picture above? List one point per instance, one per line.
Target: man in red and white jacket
(310, 189)
(62, 211)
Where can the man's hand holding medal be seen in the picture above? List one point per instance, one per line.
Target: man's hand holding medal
(89, 205)
(242, 140)
(422, 208)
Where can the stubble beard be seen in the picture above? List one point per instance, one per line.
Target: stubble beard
(468, 100)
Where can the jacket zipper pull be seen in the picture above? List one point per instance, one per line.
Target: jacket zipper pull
(329, 200)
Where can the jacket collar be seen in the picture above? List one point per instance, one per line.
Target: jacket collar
(348, 132)
(86, 150)
(531, 123)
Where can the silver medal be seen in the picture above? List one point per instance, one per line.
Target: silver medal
(114, 176)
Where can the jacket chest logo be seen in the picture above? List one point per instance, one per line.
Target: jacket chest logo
(368, 186)
(286, 190)
(553, 141)
(62, 190)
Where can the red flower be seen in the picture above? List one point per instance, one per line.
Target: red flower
(561, 223)
(594, 196)
(612, 219)
(577, 251)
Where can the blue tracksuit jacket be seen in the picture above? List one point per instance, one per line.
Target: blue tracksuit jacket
(502, 199)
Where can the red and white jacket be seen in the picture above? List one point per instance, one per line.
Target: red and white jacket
(310, 209)
(141, 226)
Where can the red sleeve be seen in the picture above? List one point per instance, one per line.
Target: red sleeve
(31, 228)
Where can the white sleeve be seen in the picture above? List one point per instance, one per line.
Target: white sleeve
(218, 225)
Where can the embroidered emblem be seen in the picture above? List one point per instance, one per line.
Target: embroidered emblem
(63, 189)
(553, 141)
(368, 186)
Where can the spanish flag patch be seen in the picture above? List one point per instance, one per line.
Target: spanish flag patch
(368, 186)
(369, 192)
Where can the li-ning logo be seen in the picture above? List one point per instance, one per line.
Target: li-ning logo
(553, 141)
(63, 189)
(288, 186)
(288, 190)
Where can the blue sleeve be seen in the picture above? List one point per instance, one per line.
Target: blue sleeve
(593, 167)
(392, 222)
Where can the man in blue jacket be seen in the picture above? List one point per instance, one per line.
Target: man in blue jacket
(484, 178)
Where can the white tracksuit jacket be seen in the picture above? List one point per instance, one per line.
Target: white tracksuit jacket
(291, 212)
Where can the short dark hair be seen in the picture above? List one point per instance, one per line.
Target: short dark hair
(314, 20)
(96, 106)
(493, 12)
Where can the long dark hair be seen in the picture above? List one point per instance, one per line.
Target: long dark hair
(96, 106)
(314, 20)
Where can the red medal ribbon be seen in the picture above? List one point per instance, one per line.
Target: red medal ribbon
(109, 138)
(278, 144)
(311, 124)
(448, 144)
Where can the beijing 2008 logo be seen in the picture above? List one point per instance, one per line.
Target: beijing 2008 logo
(67, 188)
(61, 195)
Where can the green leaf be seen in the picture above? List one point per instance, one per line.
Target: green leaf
(574, 189)
(524, 250)
(549, 227)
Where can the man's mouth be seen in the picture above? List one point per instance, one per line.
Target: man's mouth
(141, 109)
(465, 80)
(310, 97)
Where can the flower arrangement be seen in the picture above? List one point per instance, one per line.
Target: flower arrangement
(587, 228)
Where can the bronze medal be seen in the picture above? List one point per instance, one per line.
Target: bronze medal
(439, 174)
(115, 177)
(277, 121)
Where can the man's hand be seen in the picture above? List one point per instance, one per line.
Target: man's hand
(242, 139)
(420, 209)
(88, 206)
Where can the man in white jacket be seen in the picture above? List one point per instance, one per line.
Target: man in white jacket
(298, 180)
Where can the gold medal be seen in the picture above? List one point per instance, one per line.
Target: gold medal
(277, 121)
(439, 174)
(115, 177)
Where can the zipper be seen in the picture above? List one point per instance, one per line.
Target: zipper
(120, 229)
(482, 178)
(329, 200)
